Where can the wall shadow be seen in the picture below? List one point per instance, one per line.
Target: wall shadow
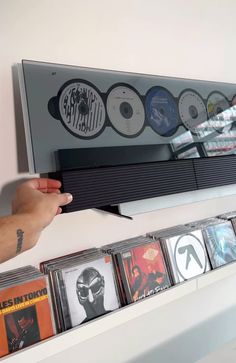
(6, 195)
(22, 160)
(195, 343)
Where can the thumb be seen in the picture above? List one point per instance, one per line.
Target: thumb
(64, 198)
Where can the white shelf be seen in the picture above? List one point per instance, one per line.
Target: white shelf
(93, 329)
(216, 275)
(226, 354)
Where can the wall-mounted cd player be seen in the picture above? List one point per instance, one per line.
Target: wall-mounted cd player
(127, 136)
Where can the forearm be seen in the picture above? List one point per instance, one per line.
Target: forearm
(18, 233)
(36, 202)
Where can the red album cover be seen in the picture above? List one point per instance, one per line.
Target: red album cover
(145, 271)
(25, 316)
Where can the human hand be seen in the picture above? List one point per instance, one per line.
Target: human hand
(41, 200)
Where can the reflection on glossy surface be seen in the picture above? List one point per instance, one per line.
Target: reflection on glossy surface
(189, 154)
(182, 140)
(214, 137)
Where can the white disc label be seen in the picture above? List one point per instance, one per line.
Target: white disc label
(125, 111)
(192, 110)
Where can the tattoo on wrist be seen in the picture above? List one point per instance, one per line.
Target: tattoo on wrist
(20, 238)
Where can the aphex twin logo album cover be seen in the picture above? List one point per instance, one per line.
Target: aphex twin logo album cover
(189, 255)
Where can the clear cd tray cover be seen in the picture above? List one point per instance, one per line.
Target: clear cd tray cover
(70, 107)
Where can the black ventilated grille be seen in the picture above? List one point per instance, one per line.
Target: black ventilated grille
(98, 187)
(215, 172)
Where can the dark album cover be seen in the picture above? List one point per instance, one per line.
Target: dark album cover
(22, 328)
(90, 290)
(144, 270)
(221, 243)
(187, 255)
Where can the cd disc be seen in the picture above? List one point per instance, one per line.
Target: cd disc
(125, 111)
(162, 112)
(82, 110)
(192, 109)
(216, 103)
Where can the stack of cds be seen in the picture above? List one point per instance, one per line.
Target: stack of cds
(25, 313)
(140, 267)
(91, 283)
(202, 223)
(83, 287)
(221, 243)
(165, 232)
(111, 247)
(228, 216)
(185, 252)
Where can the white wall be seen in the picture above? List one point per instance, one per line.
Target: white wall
(177, 38)
(192, 39)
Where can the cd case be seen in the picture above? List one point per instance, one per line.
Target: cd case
(25, 309)
(83, 287)
(141, 268)
(221, 243)
(186, 255)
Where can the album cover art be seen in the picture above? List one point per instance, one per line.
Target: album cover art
(187, 255)
(90, 290)
(25, 316)
(144, 271)
(22, 328)
(221, 243)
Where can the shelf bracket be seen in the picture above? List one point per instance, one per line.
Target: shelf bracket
(113, 209)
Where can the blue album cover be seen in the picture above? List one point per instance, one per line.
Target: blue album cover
(220, 243)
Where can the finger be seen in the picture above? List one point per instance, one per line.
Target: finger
(57, 191)
(50, 183)
(59, 210)
(42, 183)
(64, 199)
